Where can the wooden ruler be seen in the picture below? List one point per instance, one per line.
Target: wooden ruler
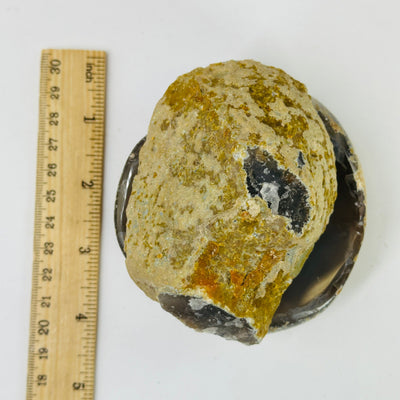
(62, 341)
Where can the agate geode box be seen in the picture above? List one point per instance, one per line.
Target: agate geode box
(242, 182)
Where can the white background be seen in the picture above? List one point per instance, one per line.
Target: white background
(347, 53)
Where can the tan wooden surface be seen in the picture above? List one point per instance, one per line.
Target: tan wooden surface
(62, 341)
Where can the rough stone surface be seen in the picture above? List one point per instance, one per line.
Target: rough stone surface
(236, 183)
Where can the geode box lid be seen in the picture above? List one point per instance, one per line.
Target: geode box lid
(234, 188)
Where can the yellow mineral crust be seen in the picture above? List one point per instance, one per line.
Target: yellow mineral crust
(200, 221)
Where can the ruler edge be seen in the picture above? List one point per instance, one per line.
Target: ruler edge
(85, 50)
(43, 82)
(42, 104)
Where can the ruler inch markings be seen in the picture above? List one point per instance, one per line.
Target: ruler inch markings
(64, 303)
